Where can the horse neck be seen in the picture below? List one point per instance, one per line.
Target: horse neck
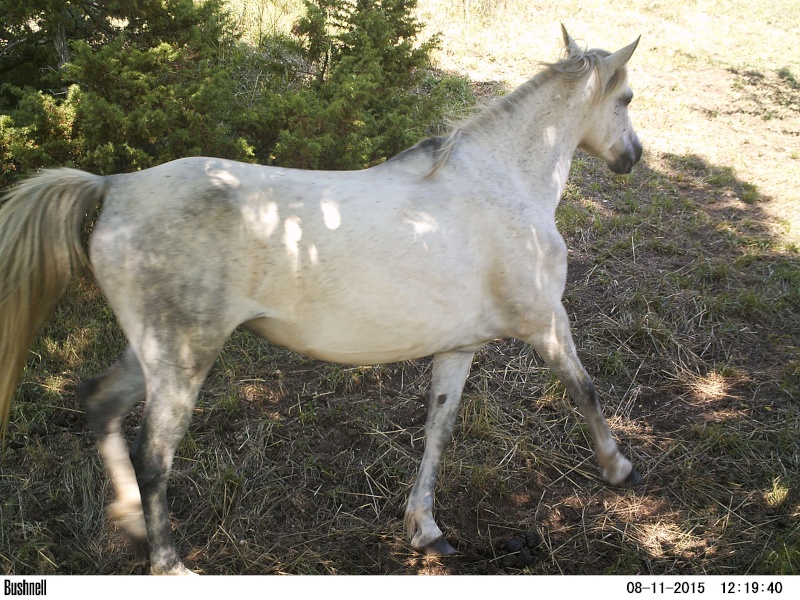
(535, 135)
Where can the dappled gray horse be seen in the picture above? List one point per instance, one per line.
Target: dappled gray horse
(436, 252)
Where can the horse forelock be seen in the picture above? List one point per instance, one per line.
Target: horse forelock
(578, 65)
(573, 68)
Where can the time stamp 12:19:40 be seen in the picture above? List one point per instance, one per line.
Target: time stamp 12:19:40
(699, 587)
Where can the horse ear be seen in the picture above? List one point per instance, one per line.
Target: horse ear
(621, 57)
(569, 44)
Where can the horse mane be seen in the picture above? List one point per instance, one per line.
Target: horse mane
(570, 68)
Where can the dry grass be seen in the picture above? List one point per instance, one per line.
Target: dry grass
(685, 294)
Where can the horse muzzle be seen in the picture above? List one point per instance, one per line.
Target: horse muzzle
(625, 161)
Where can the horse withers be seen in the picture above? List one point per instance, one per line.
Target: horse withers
(441, 249)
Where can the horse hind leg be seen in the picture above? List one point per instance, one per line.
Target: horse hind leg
(175, 368)
(106, 399)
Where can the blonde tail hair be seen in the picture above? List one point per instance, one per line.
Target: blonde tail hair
(41, 223)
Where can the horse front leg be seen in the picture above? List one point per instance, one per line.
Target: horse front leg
(450, 371)
(553, 340)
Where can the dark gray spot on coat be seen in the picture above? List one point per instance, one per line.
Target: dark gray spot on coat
(441, 399)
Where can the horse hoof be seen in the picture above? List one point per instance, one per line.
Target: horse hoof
(632, 480)
(179, 570)
(438, 547)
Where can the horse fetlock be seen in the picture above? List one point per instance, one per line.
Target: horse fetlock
(165, 560)
(422, 530)
(409, 525)
(128, 515)
(620, 473)
(425, 536)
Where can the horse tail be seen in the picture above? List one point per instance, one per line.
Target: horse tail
(41, 225)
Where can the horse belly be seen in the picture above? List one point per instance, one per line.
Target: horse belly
(376, 324)
(328, 345)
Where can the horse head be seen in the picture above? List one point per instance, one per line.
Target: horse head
(609, 133)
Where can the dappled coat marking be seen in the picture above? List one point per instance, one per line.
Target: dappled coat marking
(445, 247)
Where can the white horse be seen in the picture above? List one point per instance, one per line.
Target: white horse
(436, 252)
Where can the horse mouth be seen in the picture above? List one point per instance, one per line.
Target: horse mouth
(622, 167)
